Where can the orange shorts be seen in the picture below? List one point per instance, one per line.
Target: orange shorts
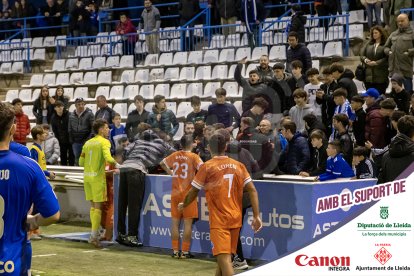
(224, 241)
(191, 211)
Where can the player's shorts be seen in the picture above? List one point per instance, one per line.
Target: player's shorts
(224, 241)
(95, 191)
(191, 211)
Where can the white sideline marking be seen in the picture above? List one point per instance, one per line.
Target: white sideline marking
(88, 251)
(45, 255)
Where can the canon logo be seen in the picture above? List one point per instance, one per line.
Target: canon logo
(304, 260)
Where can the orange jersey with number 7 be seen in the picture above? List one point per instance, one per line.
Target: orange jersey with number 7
(223, 179)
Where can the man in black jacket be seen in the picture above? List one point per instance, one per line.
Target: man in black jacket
(60, 123)
(325, 98)
(340, 123)
(297, 51)
(344, 78)
(228, 10)
(187, 9)
(104, 111)
(298, 22)
(135, 117)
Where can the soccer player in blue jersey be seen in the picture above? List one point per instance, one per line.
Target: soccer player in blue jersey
(22, 183)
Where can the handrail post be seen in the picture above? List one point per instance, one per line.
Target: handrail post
(259, 39)
(347, 34)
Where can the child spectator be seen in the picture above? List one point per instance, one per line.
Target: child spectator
(311, 88)
(39, 136)
(162, 118)
(117, 130)
(398, 93)
(43, 107)
(341, 123)
(22, 122)
(197, 114)
(222, 112)
(344, 78)
(257, 110)
(318, 162)
(336, 166)
(297, 80)
(301, 109)
(342, 107)
(51, 146)
(135, 117)
(60, 96)
(325, 99)
(60, 123)
(93, 18)
(358, 125)
(363, 166)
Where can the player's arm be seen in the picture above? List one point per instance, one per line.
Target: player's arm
(38, 220)
(191, 195)
(254, 199)
(106, 150)
(82, 159)
(165, 167)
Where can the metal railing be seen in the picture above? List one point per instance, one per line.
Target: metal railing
(16, 52)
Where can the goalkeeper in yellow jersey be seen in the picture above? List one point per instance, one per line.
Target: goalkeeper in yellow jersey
(94, 154)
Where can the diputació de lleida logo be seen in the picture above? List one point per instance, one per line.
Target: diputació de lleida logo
(384, 212)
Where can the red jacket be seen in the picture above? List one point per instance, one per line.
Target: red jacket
(22, 128)
(375, 127)
(128, 28)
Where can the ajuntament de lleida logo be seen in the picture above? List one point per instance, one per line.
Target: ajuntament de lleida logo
(384, 212)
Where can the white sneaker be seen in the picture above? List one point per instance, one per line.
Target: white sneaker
(239, 264)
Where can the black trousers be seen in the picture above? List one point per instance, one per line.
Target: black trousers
(67, 158)
(239, 251)
(381, 87)
(131, 196)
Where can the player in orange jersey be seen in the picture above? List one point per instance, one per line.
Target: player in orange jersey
(224, 180)
(182, 166)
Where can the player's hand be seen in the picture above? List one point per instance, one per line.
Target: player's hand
(32, 222)
(243, 60)
(305, 174)
(52, 175)
(117, 166)
(257, 224)
(116, 171)
(180, 206)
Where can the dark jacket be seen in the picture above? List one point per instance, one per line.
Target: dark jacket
(105, 113)
(187, 9)
(297, 155)
(378, 73)
(328, 104)
(168, 122)
(346, 145)
(397, 159)
(228, 8)
(252, 10)
(346, 81)
(63, 99)
(375, 126)
(318, 163)
(264, 73)
(37, 111)
(358, 127)
(302, 53)
(200, 116)
(366, 169)
(80, 127)
(402, 100)
(234, 150)
(298, 22)
(60, 126)
(225, 113)
(133, 120)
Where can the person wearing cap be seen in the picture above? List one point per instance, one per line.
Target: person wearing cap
(375, 123)
(60, 124)
(398, 93)
(80, 127)
(400, 50)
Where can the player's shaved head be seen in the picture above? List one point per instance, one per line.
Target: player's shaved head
(6, 120)
(217, 144)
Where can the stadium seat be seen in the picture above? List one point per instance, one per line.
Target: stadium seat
(11, 95)
(49, 41)
(102, 91)
(172, 106)
(16, 55)
(5, 67)
(267, 38)
(52, 92)
(105, 77)
(147, 91)
(126, 62)
(187, 73)
(38, 55)
(127, 76)
(116, 92)
(211, 56)
(90, 77)
(113, 62)
(333, 49)
(360, 85)
(81, 92)
(335, 33)
(76, 78)
(59, 65)
(116, 49)
(210, 89)
(217, 41)
(151, 59)
(226, 55)
(316, 49)
(315, 63)
(232, 40)
(205, 105)
(62, 79)
(148, 106)
(183, 109)
(139, 48)
(172, 73)
(311, 21)
(156, 74)
(280, 38)
(240, 28)
(166, 59)
(25, 95)
(17, 67)
(356, 31)
(238, 106)
(68, 91)
(180, 132)
(258, 52)
(72, 64)
(5, 56)
(122, 109)
(162, 89)
(357, 16)
(178, 91)
(35, 94)
(36, 80)
(16, 43)
(142, 75)
(85, 63)
(251, 66)
(91, 107)
(180, 58)
(195, 57)
(94, 50)
(219, 72)
(131, 91)
(277, 52)
(194, 89)
(316, 34)
(102, 37)
(81, 51)
(28, 110)
(198, 32)
(203, 73)
(37, 42)
(242, 53)
(175, 45)
(232, 69)
(283, 23)
(164, 45)
(232, 88)
(98, 62)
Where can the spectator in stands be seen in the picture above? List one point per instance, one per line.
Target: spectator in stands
(197, 114)
(398, 93)
(387, 107)
(43, 107)
(394, 11)
(203, 140)
(373, 5)
(342, 104)
(312, 123)
(49, 11)
(364, 167)
(275, 138)
(162, 118)
(325, 99)
(117, 131)
(253, 13)
(318, 162)
(297, 80)
(80, 127)
(135, 117)
(297, 156)
(375, 124)
(127, 30)
(297, 51)
(257, 111)
(139, 156)
(222, 112)
(60, 96)
(60, 124)
(341, 123)
(22, 122)
(311, 88)
(5, 6)
(400, 49)
(16, 12)
(61, 10)
(93, 19)
(228, 10)
(104, 111)
(322, 9)
(264, 69)
(187, 9)
(336, 165)
(344, 78)
(301, 109)
(50, 146)
(297, 23)
(151, 22)
(36, 151)
(256, 143)
(79, 20)
(358, 125)
(282, 78)
(401, 151)
(27, 11)
(376, 62)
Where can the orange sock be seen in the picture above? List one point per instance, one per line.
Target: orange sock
(185, 246)
(175, 245)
